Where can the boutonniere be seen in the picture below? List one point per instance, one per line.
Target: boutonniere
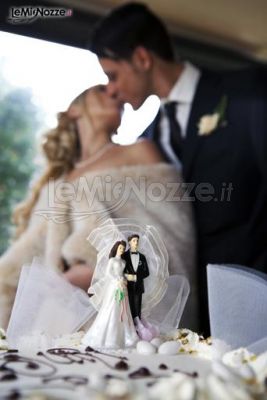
(208, 123)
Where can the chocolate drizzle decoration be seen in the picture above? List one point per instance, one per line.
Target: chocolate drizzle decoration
(13, 395)
(163, 366)
(73, 379)
(142, 372)
(45, 369)
(122, 366)
(190, 374)
(10, 376)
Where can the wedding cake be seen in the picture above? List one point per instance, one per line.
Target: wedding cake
(179, 366)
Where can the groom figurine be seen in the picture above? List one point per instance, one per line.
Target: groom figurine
(136, 270)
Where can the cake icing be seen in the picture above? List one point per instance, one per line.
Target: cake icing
(200, 369)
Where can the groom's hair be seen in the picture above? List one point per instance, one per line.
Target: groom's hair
(133, 236)
(126, 27)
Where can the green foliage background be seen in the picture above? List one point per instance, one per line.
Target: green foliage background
(19, 121)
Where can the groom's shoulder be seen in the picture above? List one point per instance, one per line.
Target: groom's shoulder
(125, 254)
(142, 255)
(246, 76)
(246, 79)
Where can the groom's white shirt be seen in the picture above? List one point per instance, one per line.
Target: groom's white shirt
(183, 93)
(135, 260)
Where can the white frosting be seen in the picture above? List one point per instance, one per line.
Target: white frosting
(145, 348)
(170, 347)
(156, 342)
(3, 344)
(189, 340)
(238, 357)
(227, 375)
(3, 341)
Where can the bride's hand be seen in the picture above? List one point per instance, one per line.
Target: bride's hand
(121, 282)
(80, 275)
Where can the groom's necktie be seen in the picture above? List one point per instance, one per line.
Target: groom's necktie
(175, 129)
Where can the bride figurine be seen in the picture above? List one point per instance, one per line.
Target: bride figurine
(113, 327)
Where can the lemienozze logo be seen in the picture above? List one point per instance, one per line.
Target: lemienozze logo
(28, 14)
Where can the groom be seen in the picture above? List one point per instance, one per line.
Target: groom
(136, 270)
(213, 126)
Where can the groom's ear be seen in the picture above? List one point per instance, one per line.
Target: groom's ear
(142, 58)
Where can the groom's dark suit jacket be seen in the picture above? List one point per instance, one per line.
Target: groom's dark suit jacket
(233, 231)
(142, 271)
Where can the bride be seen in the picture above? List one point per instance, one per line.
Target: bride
(113, 327)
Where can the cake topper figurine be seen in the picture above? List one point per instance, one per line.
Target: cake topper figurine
(113, 327)
(128, 305)
(136, 270)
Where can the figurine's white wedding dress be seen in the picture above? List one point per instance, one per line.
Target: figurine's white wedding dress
(113, 327)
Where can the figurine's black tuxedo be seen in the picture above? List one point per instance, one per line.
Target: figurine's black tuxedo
(136, 289)
(234, 230)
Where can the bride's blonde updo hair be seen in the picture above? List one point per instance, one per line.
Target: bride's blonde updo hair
(61, 149)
